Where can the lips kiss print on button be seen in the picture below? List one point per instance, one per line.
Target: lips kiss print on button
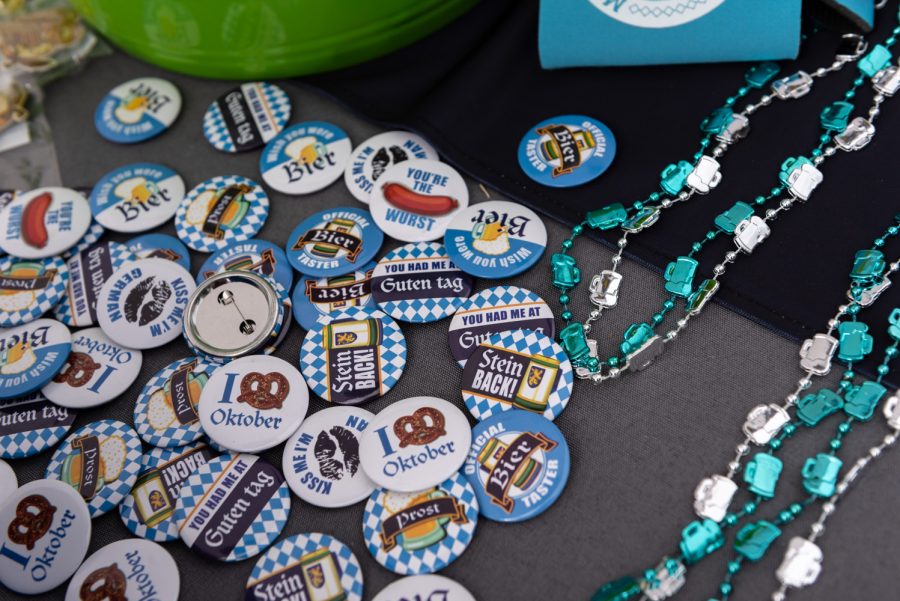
(419, 283)
(88, 270)
(29, 288)
(253, 403)
(518, 465)
(221, 210)
(415, 443)
(423, 531)
(137, 197)
(44, 222)
(357, 357)
(517, 369)
(233, 507)
(496, 310)
(315, 299)
(305, 158)
(137, 110)
(165, 414)
(259, 256)
(31, 424)
(374, 156)
(310, 566)
(126, 570)
(149, 509)
(101, 461)
(334, 242)
(416, 200)
(246, 117)
(97, 371)
(30, 355)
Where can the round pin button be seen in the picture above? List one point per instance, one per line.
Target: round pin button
(126, 570)
(165, 413)
(220, 211)
(307, 566)
(149, 509)
(305, 158)
(143, 303)
(321, 460)
(373, 157)
(97, 371)
(44, 519)
(356, 357)
(137, 110)
(419, 283)
(566, 151)
(253, 403)
(334, 242)
(246, 117)
(518, 465)
(315, 299)
(423, 531)
(424, 586)
(495, 239)
(416, 200)
(88, 270)
(137, 197)
(29, 288)
(259, 256)
(253, 507)
(32, 354)
(91, 237)
(160, 246)
(494, 310)
(517, 369)
(101, 461)
(8, 482)
(44, 222)
(30, 425)
(415, 443)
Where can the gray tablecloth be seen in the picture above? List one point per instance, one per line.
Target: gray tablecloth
(639, 445)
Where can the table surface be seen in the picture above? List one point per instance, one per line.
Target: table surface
(639, 445)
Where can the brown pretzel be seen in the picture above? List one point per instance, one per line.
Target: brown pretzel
(112, 585)
(256, 390)
(414, 429)
(78, 371)
(34, 515)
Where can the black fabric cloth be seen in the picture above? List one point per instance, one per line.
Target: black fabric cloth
(475, 88)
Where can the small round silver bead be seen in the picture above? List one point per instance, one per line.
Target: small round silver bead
(733, 466)
(828, 508)
(890, 439)
(786, 203)
(818, 160)
(718, 151)
(792, 399)
(682, 322)
(666, 203)
(742, 449)
(875, 452)
(832, 323)
(841, 488)
(623, 242)
(671, 335)
(731, 256)
(830, 151)
(750, 109)
(616, 260)
(778, 596)
(614, 372)
(719, 269)
(771, 213)
(766, 100)
(817, 529)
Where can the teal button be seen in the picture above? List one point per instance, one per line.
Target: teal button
(813, 408)
(867, 264)
(761, 74)
(820, 474)
(762, 473)
(574, 342)
(608, 217)
(636, 335)
(753, 540)
(699, 539)
(565, 274)
(877, 59)
(717, 121)
(855, 342)
(862, 400)
(836, 115)
(674, 177)
(679, 276)
(728, 221)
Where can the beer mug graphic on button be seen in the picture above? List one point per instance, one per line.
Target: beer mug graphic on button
(490, 238)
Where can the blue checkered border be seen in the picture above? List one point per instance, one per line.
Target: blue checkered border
(32, 442)
(253, 221)
(44, 300)
(216, 131)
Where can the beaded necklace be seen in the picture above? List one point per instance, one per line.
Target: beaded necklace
(798, 178)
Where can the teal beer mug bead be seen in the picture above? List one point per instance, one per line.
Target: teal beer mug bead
(855, 341)
(608, 217)
(727, 221)
(761, 474)
(815, 407)
(867, 264)
(894, 320)
(836, 115)
(877, 59)
(565, 274)
(789, 166)
(862, 400)
(680, 276)
(699, 539)
(618, 590)
(674, 177)
(717, 121)
(753, 540)
(759, 75)
(820, 474)
(636, 335)
(574, 342)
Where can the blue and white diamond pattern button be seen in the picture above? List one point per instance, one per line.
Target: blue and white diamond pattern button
(165, 414)
(127, 570)
(246, 117)
(424, 587)
(30, 287)
(356, 357)
(254, 503)
(32, 354)
(100, 460)
(517, 369)
(259, 256)
(307, 566)
(419, 283)
(149, 509)
(220, 211)
(424, 531)
(30, 425)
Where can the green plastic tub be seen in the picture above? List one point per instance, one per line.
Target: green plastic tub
(258, 39)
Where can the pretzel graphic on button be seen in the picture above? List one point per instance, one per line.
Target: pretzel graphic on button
(34, 515)
(104, 584)
(425, 425)
(264, 391)
(78, 371)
